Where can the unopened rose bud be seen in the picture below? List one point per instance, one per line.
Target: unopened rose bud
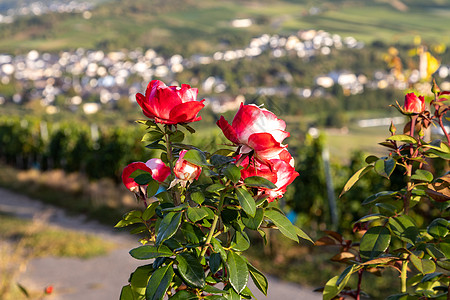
(185, 170)
(414, 104)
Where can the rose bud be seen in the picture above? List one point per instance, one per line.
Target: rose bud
(414, 104)
(185, 171)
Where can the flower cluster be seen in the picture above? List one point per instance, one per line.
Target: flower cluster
(257, 133)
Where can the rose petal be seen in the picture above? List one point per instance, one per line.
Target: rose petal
(186, 112)
(227, 130)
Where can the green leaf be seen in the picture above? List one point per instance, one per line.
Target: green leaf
(233, 173)
(132, 217)
(369, 218)
(176, 137)
(374, 242)
(219, 249)
(192, 233)
(143, 178)
(159, 283)
(258, 181)
(403, 138)
(213, 290)
(258, 279)
(238, 271)
(168, 227)
(149, 252)
(195, 214)
(196, 157)
(152, 188)
(381, 196)
(371, 159)
(423, 175)
(404, 228)
(137, 173)
(360, 173)
(198, 197)
(302, 234)
(241, 242)
(183, 295)
(253, 222)
(345, 275)
(434, 252)
(191, 270)
(387, 209)
(283, 223)
(385, 167)
(149, 211)
(126, 293)
(156, 145)
(219, 160)
(439, 228)
(332, 289)
(215, 262)
(444, 264)
(246, 201)
(215, 187)
(139, 279)
(152, 136)
(232, 295)
(424, 266)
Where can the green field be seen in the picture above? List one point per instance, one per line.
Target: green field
(204, 25)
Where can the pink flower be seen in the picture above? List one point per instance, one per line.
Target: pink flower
(281, 172)
(184, 170)
(257, 129)
(154, 166)
(128, 170)
(414, 104)
(170, 104)
(159, 170)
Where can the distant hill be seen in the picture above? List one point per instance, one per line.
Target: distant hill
(189, 26)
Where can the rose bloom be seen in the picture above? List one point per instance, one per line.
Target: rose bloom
(184, 170)
(257, 129)
(414, 104)
(154, 166)
(170, 104)
(281, 173)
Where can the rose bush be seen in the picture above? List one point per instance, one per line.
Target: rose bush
(170, 104)
(196, 230)
(395, 235)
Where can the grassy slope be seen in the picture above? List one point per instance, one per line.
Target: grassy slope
(198, 25)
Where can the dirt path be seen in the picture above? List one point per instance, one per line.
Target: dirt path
(99, 278)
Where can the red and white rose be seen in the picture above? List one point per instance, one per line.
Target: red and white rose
(281, 172)
(170, 104)
(414, 104)
(256, 129)
(154, 166)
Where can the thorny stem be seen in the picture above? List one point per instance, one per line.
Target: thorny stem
(176, 195)
(403, 275)
(409, 187)
(358, 291)
(213, 226)
(443, 129)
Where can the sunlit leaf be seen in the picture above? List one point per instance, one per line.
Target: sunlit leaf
(360, 173)
(374, 242)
